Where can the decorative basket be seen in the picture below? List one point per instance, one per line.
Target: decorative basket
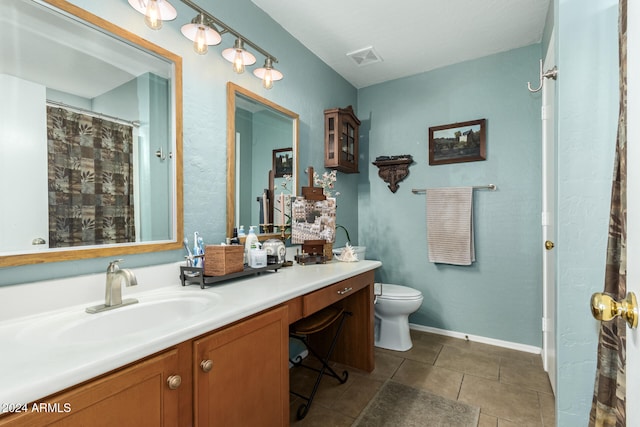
(220, 260)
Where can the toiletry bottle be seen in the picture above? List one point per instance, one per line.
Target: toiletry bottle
(234, 237)
(249, 242)
(241, 231)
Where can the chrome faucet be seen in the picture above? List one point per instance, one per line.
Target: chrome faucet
(113, 295)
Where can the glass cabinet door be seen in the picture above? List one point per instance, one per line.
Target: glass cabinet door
(341, 139)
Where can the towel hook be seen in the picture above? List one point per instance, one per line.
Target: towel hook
(549, 74)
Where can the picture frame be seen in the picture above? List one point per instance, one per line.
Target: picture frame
(282, 162)
(458, 142)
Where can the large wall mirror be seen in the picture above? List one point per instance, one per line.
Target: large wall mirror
(262, 136)
(90, 137)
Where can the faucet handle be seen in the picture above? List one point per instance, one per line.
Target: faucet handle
(113, 265)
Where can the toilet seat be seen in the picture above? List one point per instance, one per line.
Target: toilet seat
(396, 292)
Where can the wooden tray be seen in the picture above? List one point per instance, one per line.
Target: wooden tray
(195, 275)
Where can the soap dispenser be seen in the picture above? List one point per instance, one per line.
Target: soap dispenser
(251, 241)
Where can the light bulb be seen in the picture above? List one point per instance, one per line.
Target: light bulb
(152, 15)
(268, 74)
(267, 80)
(238, 62)
(200, 41)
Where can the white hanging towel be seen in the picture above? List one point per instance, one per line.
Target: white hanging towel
(450, 225)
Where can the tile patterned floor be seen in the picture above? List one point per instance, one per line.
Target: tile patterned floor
(510, 387)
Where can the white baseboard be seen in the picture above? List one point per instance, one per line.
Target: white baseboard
(476, 338)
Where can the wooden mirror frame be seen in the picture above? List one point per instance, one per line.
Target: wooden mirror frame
(178, 215)
(233, 90)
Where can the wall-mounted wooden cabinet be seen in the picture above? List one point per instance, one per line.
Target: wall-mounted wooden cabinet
(341, 127)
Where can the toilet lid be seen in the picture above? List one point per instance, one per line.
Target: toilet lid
(397, 292)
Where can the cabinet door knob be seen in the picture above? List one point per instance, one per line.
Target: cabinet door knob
(206, 365)
(344, 291)
(174, 381)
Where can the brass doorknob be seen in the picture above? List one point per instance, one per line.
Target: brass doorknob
(548, 245)
(206, 365)
(174, 381)
(605, 308)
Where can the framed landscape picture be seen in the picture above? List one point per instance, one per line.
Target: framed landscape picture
(282, 162)
(458, 142)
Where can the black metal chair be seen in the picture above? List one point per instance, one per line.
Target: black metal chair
(311, 325)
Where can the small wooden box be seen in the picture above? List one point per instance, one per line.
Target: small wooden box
(313, 247)
(220, 260)
(313, 193)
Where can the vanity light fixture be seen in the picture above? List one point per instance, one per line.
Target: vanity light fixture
(154, 11)
(238, 56)
(206, 30)
(268, 74)
(202, 33)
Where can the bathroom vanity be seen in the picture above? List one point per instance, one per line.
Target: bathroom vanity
(225, 366)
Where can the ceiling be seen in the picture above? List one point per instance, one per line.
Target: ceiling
(32, 35)
(408, 36)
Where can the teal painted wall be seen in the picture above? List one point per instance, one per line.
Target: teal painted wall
(587, 112)
(502, 291)
(308, 88)
(270, 131)
(244, 126)
(500, 295)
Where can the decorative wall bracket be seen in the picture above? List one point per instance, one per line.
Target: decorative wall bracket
(393, 169)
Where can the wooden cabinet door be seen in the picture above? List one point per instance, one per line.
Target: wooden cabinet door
(135, 396)
(247, 383)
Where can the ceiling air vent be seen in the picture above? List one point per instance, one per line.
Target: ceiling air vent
(365, 56)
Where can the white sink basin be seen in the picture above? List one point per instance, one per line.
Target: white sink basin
(154, 311)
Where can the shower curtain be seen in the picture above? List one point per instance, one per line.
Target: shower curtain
(608, 407)
(90, 180)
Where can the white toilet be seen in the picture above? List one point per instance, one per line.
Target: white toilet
(394, 304)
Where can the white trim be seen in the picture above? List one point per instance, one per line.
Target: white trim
(477, 338)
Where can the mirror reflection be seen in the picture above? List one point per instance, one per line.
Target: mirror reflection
(89, 153)
(262, 139)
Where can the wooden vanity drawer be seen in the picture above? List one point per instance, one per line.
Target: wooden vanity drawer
(326, 296)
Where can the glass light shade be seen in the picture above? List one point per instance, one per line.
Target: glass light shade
(268, 74)
(154, 11)
(201, 34)
(238, 56)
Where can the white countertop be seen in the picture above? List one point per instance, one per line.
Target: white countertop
(33, 368)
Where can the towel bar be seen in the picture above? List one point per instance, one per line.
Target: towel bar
(491, 187)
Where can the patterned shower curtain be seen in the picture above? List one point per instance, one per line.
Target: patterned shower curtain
(90, 180)
(609, 397)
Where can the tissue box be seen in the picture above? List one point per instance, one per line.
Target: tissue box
(257, 258)
(220, 260)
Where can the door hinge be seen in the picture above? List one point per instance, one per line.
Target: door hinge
(544, 325)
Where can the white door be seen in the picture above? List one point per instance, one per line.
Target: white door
(548, 221)
(23, 165)
(633, 201)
